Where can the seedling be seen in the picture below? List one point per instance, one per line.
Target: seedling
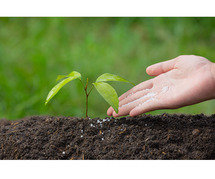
(104, 89)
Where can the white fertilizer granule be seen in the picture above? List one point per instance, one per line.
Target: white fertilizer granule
(151, 94)
(164, 89)
(92, 125)
(130, 95)
(145, 102)
(136, 92)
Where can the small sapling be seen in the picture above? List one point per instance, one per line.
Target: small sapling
(104, 89)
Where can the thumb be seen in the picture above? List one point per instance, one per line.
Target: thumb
(162, 67)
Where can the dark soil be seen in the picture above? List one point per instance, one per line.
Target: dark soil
(143, 137)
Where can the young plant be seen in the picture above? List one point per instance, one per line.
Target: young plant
(104, 89)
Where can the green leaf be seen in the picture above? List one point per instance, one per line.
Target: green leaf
(111, 77)
(72, 74)
(60, 77)
(55, 89)
(108, 93)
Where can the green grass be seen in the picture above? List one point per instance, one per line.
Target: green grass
(33, 51)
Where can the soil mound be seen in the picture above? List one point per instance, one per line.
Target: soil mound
(163, 136)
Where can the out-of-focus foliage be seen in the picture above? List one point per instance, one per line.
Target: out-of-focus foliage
(34, 50)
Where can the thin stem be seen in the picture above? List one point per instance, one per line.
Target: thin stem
(86, 84)
(86, 94)
(87, 106)
(90, 90)
(82, 83)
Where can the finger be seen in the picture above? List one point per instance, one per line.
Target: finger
(147, 106)
(162, 67)
(126, 108)
(135, 97)
(110, 111)
(141, 86)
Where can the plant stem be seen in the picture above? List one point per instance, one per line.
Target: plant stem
(87, 105)
(90, 90)
(86, 94)
(86, 98)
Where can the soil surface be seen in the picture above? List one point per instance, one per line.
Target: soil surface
(143, 137)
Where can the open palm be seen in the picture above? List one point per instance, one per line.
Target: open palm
(183, 81)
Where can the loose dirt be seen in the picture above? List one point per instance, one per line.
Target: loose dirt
(163, 136)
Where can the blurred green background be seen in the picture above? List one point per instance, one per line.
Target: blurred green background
(33, 51)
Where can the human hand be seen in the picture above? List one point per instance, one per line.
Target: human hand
(185, 80)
